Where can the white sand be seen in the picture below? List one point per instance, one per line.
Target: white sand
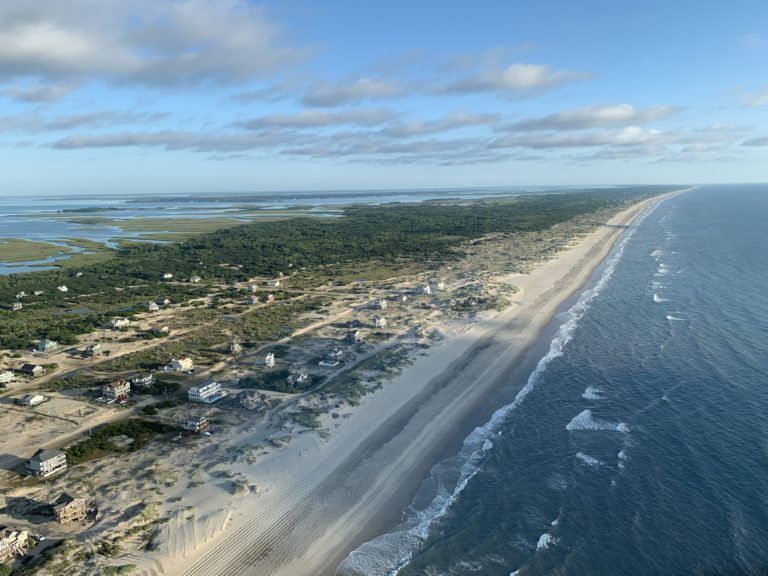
(321, 499)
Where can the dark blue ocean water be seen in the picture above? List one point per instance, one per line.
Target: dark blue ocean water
(640, 444)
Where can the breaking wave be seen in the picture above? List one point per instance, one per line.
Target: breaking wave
(657, 298)
(590, 461)
(585, 421)
(545, 541)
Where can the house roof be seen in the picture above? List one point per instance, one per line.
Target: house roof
(64, 499)
(30, 367)
(43, 455)
(118, 383)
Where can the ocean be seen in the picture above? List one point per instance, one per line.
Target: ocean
(638, 445)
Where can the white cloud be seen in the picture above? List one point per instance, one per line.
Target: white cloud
(142, 41)
(316, 119)
(37, 93)
(451, 121)
(329, 94)
(594, 117)
(33, 122)
(756, 142)
(630, 136)
(513, 80)
(183, 140)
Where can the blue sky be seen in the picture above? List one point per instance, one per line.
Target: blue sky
(153, 96)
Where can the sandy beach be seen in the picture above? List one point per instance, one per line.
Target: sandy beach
(319, 499)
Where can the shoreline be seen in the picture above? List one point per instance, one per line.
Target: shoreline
(354, 487)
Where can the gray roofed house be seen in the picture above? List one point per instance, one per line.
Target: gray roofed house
(47, 462)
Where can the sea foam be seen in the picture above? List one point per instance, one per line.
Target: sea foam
(545, 541)
(592, 393)
(657, 298)
(589, 460)
(585, 421)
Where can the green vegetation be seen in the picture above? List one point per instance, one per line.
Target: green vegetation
(396, 236)
(17, 250)
(155, 408)
(99, 443)
(277, 380)
(118, 570)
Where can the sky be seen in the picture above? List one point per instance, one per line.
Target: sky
(174, 96)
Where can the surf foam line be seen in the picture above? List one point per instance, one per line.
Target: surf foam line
(387, 554)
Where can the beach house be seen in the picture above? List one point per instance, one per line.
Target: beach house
(32, 370)
(299, 378)
(12, 543)
(332, 358)
(46, 463)
(20, 295)
(16, 306)
(195, 279)
(6, 377)
(32, 400)
(62, 288)
(253, 288)
(268, 360)
(144, 381)
(163, 302)
(46, 345)
(152, 307)
(354, 337)
(253, 300)
(67, 508)
(119, 390)
(92, 350)
(184, 364)
(379, 322)
(206, 393)
(118, 323)
(195, 425)
(167, 276)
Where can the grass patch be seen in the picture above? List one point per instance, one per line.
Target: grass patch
(18, 250)
(141, 431)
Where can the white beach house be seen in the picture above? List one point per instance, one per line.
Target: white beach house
(206, 393)
(184, 364)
